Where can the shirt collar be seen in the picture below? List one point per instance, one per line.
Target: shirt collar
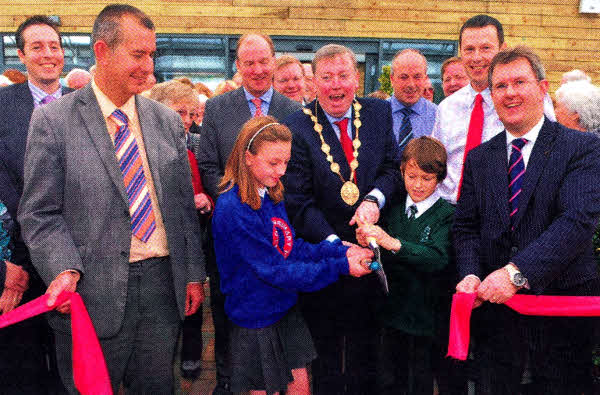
(38, 93)
(108, 107)
(418, 107)
(423, 205)
(261, 192)
(266, 97)
(486, 94)
(333, 119)
(531, 136)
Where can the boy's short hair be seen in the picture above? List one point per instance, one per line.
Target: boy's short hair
(429, 154)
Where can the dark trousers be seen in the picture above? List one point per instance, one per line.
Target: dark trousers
(405, 364)
(345, 332)
(222, 330)
(191, 344)
(557, 350)
(141, 354)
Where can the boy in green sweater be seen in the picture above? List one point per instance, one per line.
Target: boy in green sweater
(417, 245)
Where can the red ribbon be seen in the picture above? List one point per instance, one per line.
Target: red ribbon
(89, 367)
(553, 306)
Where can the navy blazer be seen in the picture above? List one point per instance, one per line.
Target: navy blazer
(16, 104)
(312, 190)
(558, 210)
(223, 119)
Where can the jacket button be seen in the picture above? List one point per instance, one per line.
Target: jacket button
(126, 212)
(514, 250)
(123, 253)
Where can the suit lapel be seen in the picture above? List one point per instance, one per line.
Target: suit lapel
(24, 101)
(240, 103)
(96, 127)
(498, 174)
(537, 162)
(152, 142)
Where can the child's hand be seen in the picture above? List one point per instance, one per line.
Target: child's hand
(383, 239)
(358, 259)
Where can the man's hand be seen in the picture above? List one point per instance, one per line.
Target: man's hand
(470, 284)
(366, 213)
(202, 203)
(66, 281)
(357, 261)
(16, 278)
(194, 296)
(497, 287)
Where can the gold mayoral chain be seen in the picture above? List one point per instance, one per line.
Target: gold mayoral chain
(349, 191)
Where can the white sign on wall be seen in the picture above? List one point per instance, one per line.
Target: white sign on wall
(589, 6)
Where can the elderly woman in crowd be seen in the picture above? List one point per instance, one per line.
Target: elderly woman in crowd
(578, 106)
(183, 99)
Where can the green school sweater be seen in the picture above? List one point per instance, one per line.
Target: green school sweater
(413, 273)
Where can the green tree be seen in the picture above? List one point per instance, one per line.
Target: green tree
(384, 80)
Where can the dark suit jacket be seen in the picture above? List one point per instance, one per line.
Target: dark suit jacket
(74, 211)
(16, 104)
(312, 190)
(223, 119)
(558, 210)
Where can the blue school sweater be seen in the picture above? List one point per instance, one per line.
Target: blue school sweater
(261, 263)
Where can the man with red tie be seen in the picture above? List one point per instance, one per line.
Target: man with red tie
(342, 171)
(467, 118)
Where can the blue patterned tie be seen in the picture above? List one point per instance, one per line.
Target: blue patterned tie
(130, 163)
(516, 170)
(405, 132)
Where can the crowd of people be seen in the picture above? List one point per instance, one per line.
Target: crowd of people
(277, 188)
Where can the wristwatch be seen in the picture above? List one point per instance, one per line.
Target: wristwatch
(516, 277)
(371, 198)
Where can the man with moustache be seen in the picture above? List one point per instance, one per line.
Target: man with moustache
(524, 224)
(25, 347)
(342, 172)
(224, 117)
(108, 210)
(413, 114)
(468, 118)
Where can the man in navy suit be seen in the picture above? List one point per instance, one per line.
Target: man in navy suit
(524, 223)
(40, 49)
(342, 171)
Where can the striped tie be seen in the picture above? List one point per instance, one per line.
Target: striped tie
(412, 211)
(257, 101)
(405, 132)
(516, 170)
(130, 162)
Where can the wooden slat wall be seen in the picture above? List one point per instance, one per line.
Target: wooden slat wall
(564, 38)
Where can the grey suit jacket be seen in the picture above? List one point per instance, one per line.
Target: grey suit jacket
(74, 211)
(224, 117)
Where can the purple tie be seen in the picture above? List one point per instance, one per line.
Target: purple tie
(516, 170)
(47, 99)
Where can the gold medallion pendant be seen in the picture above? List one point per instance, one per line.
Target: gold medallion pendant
(349, 193)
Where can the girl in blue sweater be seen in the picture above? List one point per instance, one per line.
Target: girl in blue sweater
(263, 266)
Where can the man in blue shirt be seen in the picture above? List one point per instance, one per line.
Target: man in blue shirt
(413, 115)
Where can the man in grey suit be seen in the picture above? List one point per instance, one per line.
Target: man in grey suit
(108, 210)
(223, 119)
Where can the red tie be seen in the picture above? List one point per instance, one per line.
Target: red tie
(257, 101)
(474, 134)
(345, 140)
